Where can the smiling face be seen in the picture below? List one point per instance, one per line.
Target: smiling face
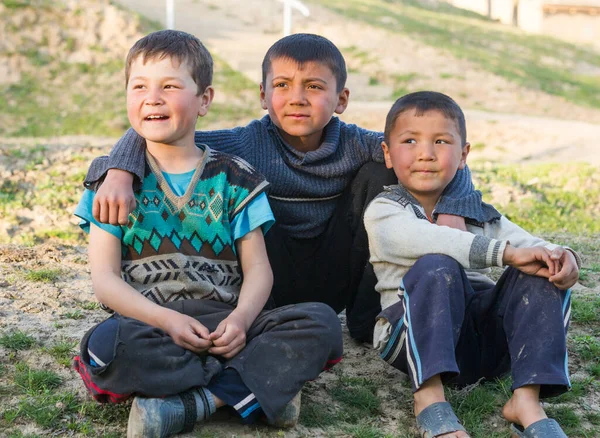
(425, 152)
(163, 103)
(301, 100)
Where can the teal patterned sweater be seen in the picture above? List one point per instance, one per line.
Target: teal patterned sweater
(181, 247)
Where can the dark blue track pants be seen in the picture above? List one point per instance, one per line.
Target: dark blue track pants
(443, 326)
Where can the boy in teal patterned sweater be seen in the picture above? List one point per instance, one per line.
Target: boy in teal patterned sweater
(188, 276)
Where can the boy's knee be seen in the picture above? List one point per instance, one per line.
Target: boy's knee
(433, 264)
(324, 321)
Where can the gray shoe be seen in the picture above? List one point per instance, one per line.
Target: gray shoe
(289, 417)
(156, 417)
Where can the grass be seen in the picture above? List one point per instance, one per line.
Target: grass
(17, 340)
(43, 275)
(537, 62)
(545, 198)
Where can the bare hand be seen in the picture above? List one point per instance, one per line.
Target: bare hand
(452, 221)
(230, 336)
(533, 261)
(114, 200)
(568, 272)
(188, 332)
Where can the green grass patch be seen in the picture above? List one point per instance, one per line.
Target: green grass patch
(33, 381)
(567, 418)
(43, 275)
(546, 198)
(62, 351)
(17, 340)
(537, 62)
(315, 414)
(75, 314)
(585, 310)
(44, 409)
(587, 347)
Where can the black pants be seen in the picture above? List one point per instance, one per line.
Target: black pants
(285, 348)
(334, 267)
(443, 326)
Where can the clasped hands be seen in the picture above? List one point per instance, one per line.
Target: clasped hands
(228, 339)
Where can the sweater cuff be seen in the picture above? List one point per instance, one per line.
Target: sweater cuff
(129, 154)
(486, 252)
(96, 173)
(577, 257)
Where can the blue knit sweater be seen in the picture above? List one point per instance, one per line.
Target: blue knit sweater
(304, 185)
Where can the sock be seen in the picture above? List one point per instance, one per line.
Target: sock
(205, 404)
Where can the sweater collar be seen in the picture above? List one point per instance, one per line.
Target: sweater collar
(328, 146)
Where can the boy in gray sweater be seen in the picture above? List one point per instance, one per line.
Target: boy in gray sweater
(322, 171)
(443, 319)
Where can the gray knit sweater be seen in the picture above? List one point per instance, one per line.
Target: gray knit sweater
(304, 186)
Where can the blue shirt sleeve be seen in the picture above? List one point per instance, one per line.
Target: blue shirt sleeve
(84, 212)
(256, 214)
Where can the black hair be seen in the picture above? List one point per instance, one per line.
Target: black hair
(422, 102)
(178, 45)
(307, 47)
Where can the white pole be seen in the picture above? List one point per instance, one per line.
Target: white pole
(170, 5)
(288, 5)
(287, 18)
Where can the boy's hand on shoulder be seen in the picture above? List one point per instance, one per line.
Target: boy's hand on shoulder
(229, 338)
(536, 260)
(452, 221)
(568, 272)
(187, 332)
(114, 200)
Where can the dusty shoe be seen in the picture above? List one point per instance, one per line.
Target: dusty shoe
(156, 417)
(289, 417)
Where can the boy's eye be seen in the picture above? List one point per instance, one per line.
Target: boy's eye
(138, 86)
(441, 141)
(279, 85)
(410, 141)
(315, 87)
(168, 86)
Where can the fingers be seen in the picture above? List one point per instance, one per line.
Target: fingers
(219, 331)
(231, 342)
(201, 330)
(194, 343)
(113, 214)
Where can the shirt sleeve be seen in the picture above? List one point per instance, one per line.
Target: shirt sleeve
(128, 154)
(397, 236)
(256, 214)
(84, 212)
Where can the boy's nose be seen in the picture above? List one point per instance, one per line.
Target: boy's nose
(426, 152)
(154, 97)
(297, 96)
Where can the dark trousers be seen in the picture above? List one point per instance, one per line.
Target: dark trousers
(285, 348)
(334, 267)
(443, 326)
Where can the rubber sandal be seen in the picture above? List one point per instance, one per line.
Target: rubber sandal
(438, 419)
(546, 428)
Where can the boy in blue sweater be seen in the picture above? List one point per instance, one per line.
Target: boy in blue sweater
(322, 171)
(188, 275)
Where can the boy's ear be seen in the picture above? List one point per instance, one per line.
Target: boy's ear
(465, 152)
(206, 99)
(343, 98)
(263, 100)
(386, 155)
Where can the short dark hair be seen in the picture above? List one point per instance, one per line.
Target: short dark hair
(307, 47)
(422, 102)
(181, 46)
